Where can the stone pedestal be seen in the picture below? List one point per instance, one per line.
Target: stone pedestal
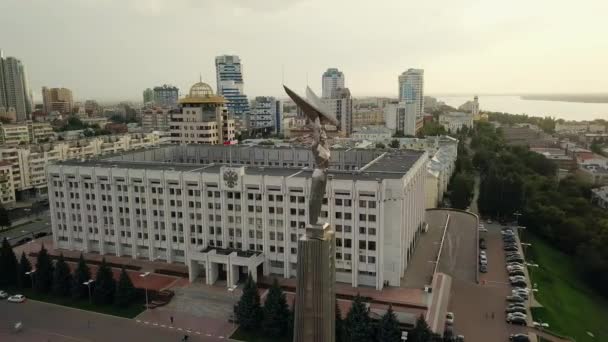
(315, 292)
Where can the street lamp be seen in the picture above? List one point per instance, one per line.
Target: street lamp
(231, 290)
(144, 275)
(31, 274)
(88, 284)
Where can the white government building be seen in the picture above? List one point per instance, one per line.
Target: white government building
(226, 211)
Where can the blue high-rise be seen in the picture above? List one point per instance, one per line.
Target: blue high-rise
(229, 77)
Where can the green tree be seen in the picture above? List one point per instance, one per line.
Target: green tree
(62, 278)
(276, 312)
(380, 145)
(82, 274)
(292, 320)
(358, 325)
(105, 285)
(25, 266)
(125, 291)
(388, 327)
(339, 325)
(248, 310)
(8, 264)
(5, 220)
(394, 143)
(43, 277)
(421, 332)
(461, 190)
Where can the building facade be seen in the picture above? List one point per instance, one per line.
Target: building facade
(230, 85)
(202, 118)
(455, 121)
(57, 100)
(28, 163)
(166, 96)
(401, 118)
(340, 105)
(332, 80)
(156, 119)
(263, 115)
(411, 91)
(26, 133)
(227, 211)
(14, 89)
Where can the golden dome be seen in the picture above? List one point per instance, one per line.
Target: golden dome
(201, 89)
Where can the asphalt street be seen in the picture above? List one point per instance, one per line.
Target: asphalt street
(26, 230)
(53, 323)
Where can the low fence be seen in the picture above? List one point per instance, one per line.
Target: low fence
(445, 230)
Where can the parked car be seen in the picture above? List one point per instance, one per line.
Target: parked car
(16, 298)
(483, 268)
(482, 244)
(515, 299)
(517, 314)
(519, 338)
(516, 306)
(519, 283)
(517, 320)
(489, 221)
(3, 294)
(515, 264)
(483, 229)
(513, 278)
(516, 309)
(516, 273)
(515, 258)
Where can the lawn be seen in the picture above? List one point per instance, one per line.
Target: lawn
(128, 312)
(246, 336)
(570, 307)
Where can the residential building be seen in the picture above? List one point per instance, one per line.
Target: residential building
(599, 196)
(26, 133)
(7, 186)
(263, 115)
(166, 96)
(340, 105)
(372, 133)
(594, 173)
(156, 119)
(230, 85)
(576, 127)
(202, 118)
(332, 80)
(401, 118)
(455, 121)
(411, 91)
(14, 90)
(558, 156)
(278, 116)
(440, 169)
(99, 121)
(57, 100)
(148, 96)
(230, 211)
(92, 107)
(367, 117)
(28, 163)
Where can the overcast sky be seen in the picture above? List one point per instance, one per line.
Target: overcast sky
(113, 49)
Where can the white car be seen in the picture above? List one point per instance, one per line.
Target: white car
(449, 318)
(17, 298)
(3, 294)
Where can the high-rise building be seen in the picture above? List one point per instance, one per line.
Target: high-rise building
(340, 105)
(166, 96)
(230, 85)
(14, 89)
(263, 115)
(400, 117)
(57, 99)
(148, 95)
(332, 80)
(411, 90)
(202, 118)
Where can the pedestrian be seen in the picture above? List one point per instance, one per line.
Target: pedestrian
(171, 318)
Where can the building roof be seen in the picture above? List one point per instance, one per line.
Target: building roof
(389, 165)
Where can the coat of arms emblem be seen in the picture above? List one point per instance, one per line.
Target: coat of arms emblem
(231, 178)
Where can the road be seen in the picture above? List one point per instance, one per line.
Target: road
(27, 229)
(53, 323)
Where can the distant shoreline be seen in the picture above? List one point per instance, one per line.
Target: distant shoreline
(600, 98)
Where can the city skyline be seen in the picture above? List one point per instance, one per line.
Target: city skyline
(466, 41)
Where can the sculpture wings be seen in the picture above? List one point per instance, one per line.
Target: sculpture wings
(312, 106)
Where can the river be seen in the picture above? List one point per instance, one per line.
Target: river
(515, 105)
